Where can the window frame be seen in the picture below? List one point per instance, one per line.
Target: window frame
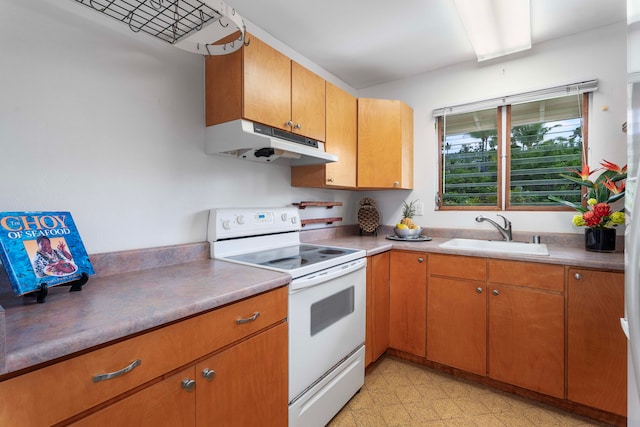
(504, 163)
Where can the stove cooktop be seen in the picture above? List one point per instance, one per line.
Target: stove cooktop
(292, 257)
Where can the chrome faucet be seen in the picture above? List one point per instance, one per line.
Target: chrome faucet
(505, 231)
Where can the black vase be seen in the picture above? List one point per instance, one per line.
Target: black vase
(600, 239)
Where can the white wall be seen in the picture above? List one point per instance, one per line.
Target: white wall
(599, 54)
(109, 125)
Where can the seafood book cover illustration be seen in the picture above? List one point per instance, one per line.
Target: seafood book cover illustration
(41, 247)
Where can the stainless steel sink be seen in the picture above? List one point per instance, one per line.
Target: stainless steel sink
(521, 248)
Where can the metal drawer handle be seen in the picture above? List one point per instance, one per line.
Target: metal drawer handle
(479, 290)
(248, 319)
(420, 259)
(578, 276)
(103, 377)
(496, 292)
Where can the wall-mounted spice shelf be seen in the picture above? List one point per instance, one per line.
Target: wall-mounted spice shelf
(319, 221)
(328, 205)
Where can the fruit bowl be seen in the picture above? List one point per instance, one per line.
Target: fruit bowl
(408, 233)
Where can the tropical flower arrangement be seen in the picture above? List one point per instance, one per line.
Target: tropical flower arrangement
(608, 187)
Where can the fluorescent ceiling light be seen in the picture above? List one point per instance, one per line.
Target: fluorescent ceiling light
(496, 27)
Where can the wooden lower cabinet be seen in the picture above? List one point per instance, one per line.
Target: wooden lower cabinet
(597, 347)
(377, 339)
(526, 325)
(408, 302)
(253, 371)
(457, 324)
(551, 329)
(165, 403)
(526, 338)
(250, 384)
(496, 318)
(250, 360)
(457, 312)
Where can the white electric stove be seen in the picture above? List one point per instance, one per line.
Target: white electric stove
(326, 304)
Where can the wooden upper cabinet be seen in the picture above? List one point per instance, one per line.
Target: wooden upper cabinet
(266, 77)
(307, 102)
(385, 144)
(341, 140)
(597, 347)
(260, 84)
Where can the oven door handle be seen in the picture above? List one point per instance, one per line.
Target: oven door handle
(318, 278)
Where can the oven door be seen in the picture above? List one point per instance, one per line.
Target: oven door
(326, 322)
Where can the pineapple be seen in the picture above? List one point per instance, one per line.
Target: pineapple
(408, 210)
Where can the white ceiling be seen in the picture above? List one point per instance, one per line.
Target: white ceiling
(369, 42)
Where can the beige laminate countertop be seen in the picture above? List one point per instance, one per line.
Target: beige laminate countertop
(557, 254)
(115, 306)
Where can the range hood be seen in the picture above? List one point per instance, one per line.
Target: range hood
(244, 139)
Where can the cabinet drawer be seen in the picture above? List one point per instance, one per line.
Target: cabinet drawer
(54, 393)
(530, 274)
(460, 267)
(221, 327)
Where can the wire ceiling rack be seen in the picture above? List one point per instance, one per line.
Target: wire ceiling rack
(173, 21)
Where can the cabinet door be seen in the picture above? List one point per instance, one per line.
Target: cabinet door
(223, 87)
(342, 137)
(457, 323)
(368, 339)
(166, 403)
(597, 347)
(377, 340)
(341, 140)
(307, 102)
(526, 338)
(267, 85)
(385, 144)
(408, 302)
(249, 383)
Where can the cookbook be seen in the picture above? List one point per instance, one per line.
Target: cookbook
(41, 247)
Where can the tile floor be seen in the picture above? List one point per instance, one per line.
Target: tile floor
(400, 393)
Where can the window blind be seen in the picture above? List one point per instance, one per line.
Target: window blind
(536, 95)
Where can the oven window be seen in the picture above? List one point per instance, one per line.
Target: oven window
(328, 311)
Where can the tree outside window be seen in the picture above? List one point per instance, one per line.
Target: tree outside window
(543, 139)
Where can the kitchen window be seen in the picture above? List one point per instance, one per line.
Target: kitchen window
(507, 153)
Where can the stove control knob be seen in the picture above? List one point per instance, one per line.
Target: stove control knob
(294, 219)
(240, 219)
(226, 224)
(284, 217)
